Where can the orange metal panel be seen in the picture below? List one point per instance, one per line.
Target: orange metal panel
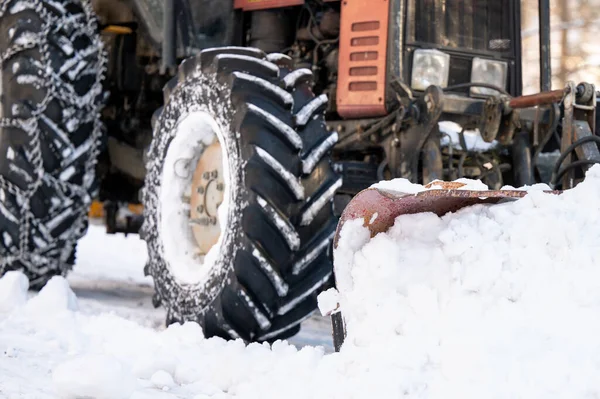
(363, 58)
(252, 5)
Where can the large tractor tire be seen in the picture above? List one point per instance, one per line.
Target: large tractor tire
(243, 130)
(50, 94)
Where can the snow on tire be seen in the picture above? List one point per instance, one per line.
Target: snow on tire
(52, 66)
(261, 278)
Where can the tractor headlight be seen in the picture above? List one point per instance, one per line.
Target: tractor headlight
(488, 71)
(430, 67)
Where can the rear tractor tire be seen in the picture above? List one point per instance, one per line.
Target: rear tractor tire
(50, 99)
(238, 196)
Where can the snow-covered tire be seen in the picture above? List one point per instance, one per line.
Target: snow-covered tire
(274, 254)
(52, 68)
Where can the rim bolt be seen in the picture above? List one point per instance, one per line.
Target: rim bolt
(206, 175)
(220, 186)
(214, 174)
(200, 190)
(200, 208)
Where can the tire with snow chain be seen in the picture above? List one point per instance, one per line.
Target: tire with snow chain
(272, 257)
(51, 93)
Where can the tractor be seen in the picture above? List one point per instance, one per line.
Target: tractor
(244, 128)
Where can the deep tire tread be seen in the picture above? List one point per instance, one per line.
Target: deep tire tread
(262, 278)
(54, 64)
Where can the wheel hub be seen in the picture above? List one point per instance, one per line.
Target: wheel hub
(194, 182)
(207, 193)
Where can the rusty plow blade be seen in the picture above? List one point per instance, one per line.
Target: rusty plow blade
(379, 208)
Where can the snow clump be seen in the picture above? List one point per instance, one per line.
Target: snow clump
(13, 290)
(55, 295)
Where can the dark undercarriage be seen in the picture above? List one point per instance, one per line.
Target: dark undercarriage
(407, 142)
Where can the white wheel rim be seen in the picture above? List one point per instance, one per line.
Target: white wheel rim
(193, 210)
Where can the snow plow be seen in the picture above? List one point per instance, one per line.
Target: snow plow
(244, 128)
(379, 207)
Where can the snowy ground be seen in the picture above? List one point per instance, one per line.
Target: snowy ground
(489, 302)
(108, 277)
(113, 293)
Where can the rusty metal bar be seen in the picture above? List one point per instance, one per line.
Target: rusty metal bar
(532, 100)
(460, 105)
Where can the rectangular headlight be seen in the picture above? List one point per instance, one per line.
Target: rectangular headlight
(430, 67)
(488, 71)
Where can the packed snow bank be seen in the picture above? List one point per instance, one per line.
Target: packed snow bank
(49, 349)
(494, 302)
(491, 301)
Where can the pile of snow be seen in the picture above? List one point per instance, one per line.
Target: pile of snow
(55, 351)
(492, 301)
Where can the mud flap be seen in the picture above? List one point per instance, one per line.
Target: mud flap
(338, 330)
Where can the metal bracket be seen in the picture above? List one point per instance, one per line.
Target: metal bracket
(579, 121)
(489, 125)
(404, 156)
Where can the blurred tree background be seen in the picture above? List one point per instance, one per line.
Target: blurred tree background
(575, 42)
